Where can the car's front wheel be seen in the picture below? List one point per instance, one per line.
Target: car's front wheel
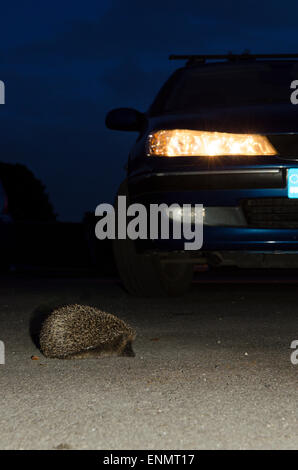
(146, 274)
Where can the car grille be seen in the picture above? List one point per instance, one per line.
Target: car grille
(276, 212)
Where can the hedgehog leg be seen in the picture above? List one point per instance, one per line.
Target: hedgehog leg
(127, 350)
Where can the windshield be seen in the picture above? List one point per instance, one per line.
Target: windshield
(214, 85)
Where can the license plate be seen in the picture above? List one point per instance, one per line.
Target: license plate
(293, 183)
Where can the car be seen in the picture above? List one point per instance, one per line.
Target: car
(222, 132)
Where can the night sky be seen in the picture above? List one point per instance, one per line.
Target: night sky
(66, 63)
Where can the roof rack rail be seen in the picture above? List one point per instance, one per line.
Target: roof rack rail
(201, 58)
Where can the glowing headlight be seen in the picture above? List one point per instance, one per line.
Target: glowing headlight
(183, 142)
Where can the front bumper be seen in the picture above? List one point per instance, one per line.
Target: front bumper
(221, 192)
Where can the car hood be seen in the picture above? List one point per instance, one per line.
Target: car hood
(267, 119)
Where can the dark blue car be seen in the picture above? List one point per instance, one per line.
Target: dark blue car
(222, 132)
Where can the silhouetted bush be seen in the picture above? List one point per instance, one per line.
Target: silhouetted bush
(27, 199)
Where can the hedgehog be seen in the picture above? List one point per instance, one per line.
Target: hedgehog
(79, 331)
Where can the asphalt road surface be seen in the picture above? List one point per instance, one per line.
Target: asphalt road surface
(212, 371)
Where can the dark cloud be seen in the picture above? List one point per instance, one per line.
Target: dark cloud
(133, 28)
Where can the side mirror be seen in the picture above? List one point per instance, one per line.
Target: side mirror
(125, 119)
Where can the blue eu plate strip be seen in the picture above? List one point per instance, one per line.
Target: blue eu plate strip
(293, 183)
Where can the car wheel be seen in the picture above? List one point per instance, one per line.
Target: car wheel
(147, 275)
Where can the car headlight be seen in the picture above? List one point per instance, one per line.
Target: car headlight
(184, 143)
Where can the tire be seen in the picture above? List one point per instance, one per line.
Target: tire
(144, 275)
